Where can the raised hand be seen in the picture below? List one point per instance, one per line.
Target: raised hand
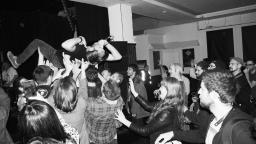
(102, 43)
(67, 63)
(120, 116)
(84, 65)
(135, 94)
(58, 74)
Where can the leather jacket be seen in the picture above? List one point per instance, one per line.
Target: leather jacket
(164, 121)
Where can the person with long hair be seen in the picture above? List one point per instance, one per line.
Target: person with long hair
(176, 71)
(37, 118)
(167, 114)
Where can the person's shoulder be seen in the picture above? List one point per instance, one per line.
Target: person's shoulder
(238, 120)
(236, 113)
(242, 129)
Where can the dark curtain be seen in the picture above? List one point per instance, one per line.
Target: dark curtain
(92, 22)
(220, 44)
(249, 42)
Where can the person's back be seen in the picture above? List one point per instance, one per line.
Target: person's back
(76, 117)
(101, 113)
(70, 103)
(100, 120)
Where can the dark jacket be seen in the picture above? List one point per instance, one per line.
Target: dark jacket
(135, 108)
(162, 122)
(241, 133)
(243, 93)
(200, 122)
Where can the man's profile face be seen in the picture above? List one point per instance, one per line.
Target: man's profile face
(234, 65)
(205, 100)
(198, 71)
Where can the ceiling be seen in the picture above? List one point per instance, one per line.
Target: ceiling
(148, 14)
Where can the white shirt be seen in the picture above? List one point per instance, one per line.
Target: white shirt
(212, 131)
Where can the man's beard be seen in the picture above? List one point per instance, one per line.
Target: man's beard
(204, 105)
(231, 69)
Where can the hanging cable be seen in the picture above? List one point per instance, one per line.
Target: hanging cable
(68, 15)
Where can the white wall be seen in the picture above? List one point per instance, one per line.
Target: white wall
(190, 32)
(144, 52)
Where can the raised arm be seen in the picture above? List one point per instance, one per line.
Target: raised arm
(160, 121)
(83, 89)
(114, 54)
(70, 44)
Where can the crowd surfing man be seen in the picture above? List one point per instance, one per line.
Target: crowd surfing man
(75, 47)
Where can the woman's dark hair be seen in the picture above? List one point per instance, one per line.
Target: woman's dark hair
(173, 99)
(92, 77)
(65, 98)
(38, 118)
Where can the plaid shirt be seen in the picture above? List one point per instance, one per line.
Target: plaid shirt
(100, 119)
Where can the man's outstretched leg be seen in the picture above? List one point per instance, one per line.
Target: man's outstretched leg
(48, 51)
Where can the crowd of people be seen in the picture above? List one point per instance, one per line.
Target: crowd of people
(71, 101)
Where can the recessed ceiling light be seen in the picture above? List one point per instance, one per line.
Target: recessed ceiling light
(164, 11)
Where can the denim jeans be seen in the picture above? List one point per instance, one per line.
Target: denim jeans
(47, 50)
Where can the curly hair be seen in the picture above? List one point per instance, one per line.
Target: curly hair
(135, 68)
(174, 99)
(222, 82)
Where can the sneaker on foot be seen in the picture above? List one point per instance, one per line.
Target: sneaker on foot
(13, 59)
